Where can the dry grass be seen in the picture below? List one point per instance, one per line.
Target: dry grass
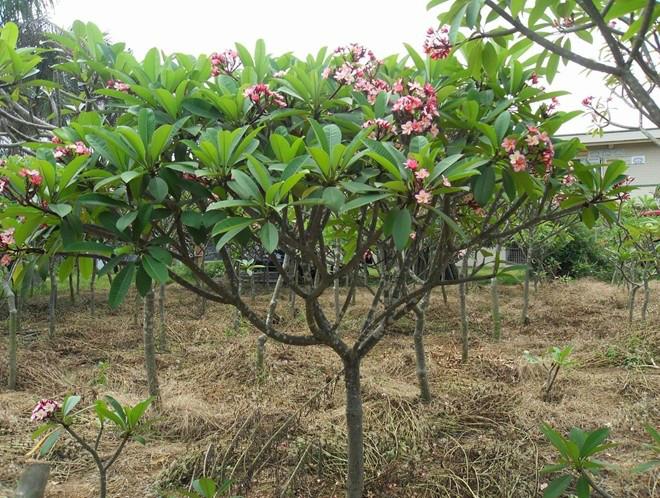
(285, 435)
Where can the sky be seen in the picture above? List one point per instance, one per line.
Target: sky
(299, 26)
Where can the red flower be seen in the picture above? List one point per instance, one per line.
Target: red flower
(437, 45)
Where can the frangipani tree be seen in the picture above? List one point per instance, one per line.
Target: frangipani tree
(626, 32)
(176, 152)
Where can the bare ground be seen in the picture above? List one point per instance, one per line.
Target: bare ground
(284, 435)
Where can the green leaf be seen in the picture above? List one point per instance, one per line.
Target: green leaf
(205, 487)
(231, 223)
(557, 486)
(362, 201)
(69, 404)
(269, 237)
(401, 228)
(161, 254)
(582, 488)
(551, 68)
(556, 439)
(143, 281)
(593, 440)
(333, 198)
(124, 221)
(50, 442)
(155, 269)
(120, 285)
(135, 414)
(104, 413)
(60, 210)
(484, 185)
(502, 126)
(158, 188)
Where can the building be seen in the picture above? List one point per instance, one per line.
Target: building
(639, 152)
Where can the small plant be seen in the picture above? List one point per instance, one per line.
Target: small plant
(59, 419)
(577, 462)
(101, 378)
(207, 488)
(554, 359)
(655, 449)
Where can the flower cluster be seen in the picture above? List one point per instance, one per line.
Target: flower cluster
(3, 185)
(588, 101)
(78, 148)
(357, 62)
(472, 203)
(224, 62)
(118, 85)
(625, 182)
(357, 67)
(436, 44)
(564, 22)
(371, 87)
(422, 196)
(569, 179)
(45, 409)
(261, 94)
(416, 109)
(7, 237)
(32, 176)
(382, 128)
(534, 79)
(536, 147)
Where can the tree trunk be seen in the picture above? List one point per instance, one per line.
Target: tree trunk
(647, 295)
(77, 276)
(237, 318)
(355, 477)
(261, 340)
(162, 334)
(464, 318)
(292, 294)
(335, 269)
(528, 271)
(631, 302)
(72, 293)
(13, 328)
(136, 310)
(253, 293)
(52, 301)
(497, 319)
(92, 289)
(149, 345)
(420, 353)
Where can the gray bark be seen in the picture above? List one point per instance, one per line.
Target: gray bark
(72, 294)
(149, 346)
(355, 476)
(631, 302)
(335, 269)
(52, 301)
(261, 340)
(420, 353)
(136, 310)
(92, 289)
(13, 328)
(33, 481)
(647, 295)
(162, 333)
(495, 300)
(464, 318)
(528, 271)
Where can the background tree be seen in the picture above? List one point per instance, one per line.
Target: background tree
(173, 153)
(626, 32)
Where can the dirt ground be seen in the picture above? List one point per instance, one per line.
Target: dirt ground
(284, 435)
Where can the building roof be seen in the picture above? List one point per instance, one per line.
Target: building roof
(615, 137)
